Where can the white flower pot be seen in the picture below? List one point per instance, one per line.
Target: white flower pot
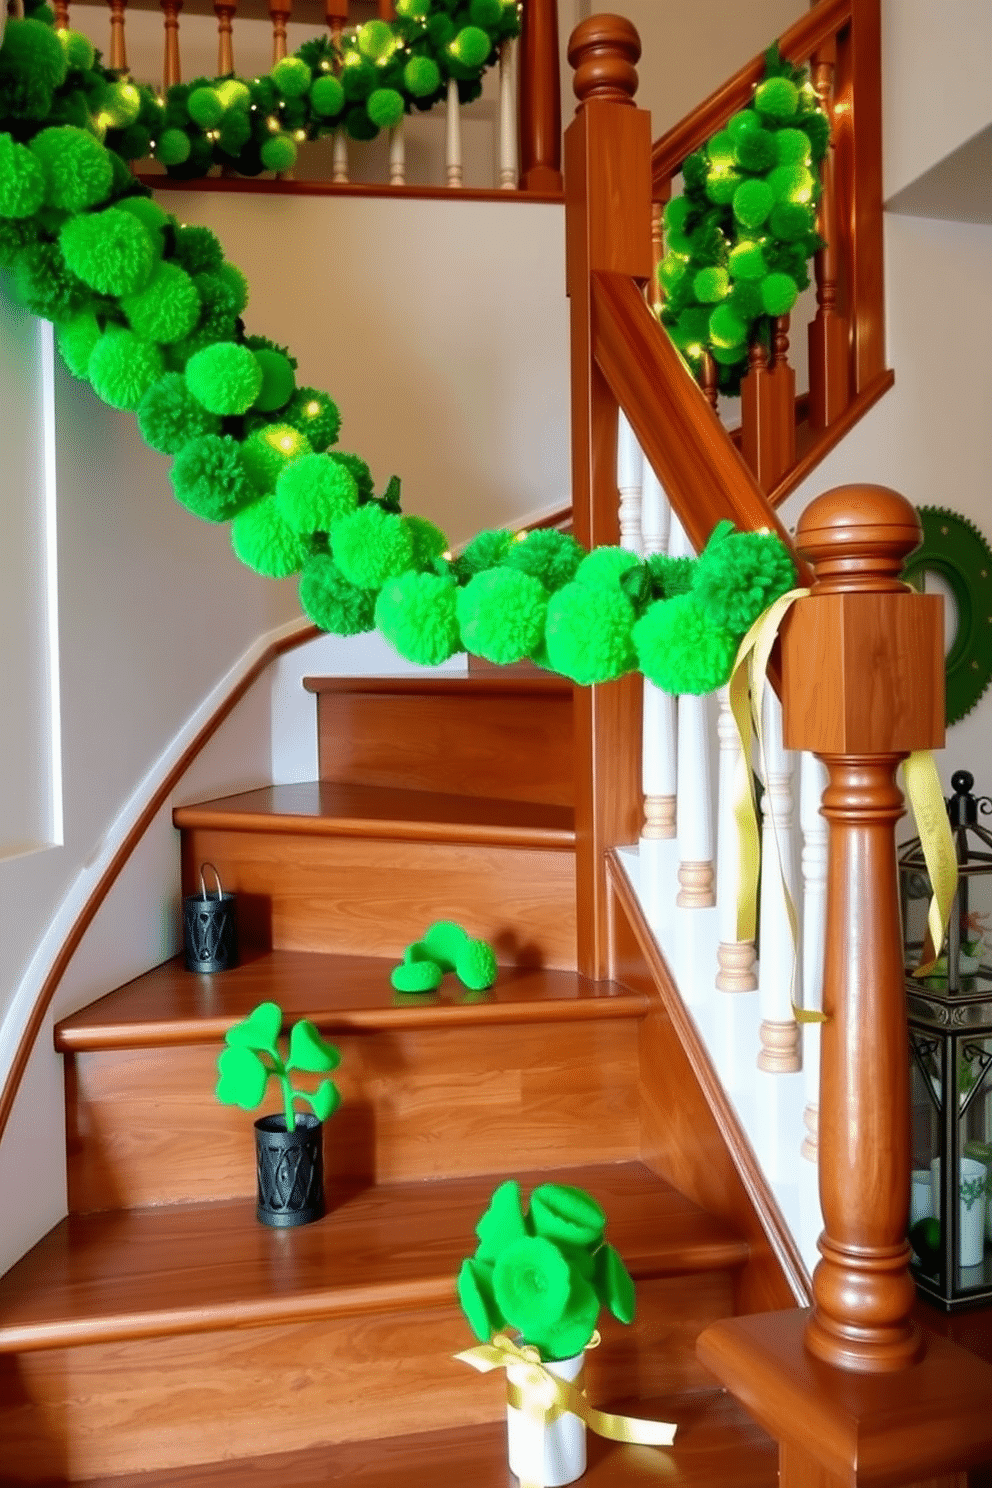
(552, 1454)
(973, 1205)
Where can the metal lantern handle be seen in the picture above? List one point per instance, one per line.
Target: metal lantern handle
(203, 887)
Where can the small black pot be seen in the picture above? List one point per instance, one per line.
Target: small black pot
(290, 1170)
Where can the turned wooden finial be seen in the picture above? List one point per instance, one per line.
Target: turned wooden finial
(858, 538)
(603, 51)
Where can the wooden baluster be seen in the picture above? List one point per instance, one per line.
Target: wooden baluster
(118, 49)
(607, 143)
(735, 958)
(540, 98)
(61, 10)
(780, 1052)
(658, 725)
(783, 395)
(172, 71)
(507, 117)
(812, 782)
(768, 409)
(387, 11)
(225, 37)
(336, 16)
(279, 12)
(708, 381)
(453, 137)
(630, 481)
(397, 154)
(830, 331)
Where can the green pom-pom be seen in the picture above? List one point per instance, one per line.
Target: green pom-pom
(567, 1215)
(264, 542)
(671, 576)
(292, 77)
(793, 183)
(371, 546)
(169, 416)
(753, 200)
(416, 614)
(421, 77)
(122, 367)
(777, 98)
(745, 300)
(606, 566)
(15, 237)
(77, 169)
(721, 149)
(440, 29)
(385, 107)
(747, 261)
(681, 649)
(817, 127)
(313, 414)
(278, 381)
(224, 292)
(45, 284)
(278, 153)
(755, 150)
(314, 492)
(413, 10)
(778, 293)
(225, 377)
(233, 93)
(22, 180)
(327, 96)
(429, 542)
(792, 147)
(269, 450)
(721, 186)
(33, 50)
(208, 478)
(791, 221)
(205, 108)
(148, 212)
(357, 467)
(197, 250)
(550, 556)
(501, 614)
(485, 13)
(486, 550)
(711, 285)
(742, 123)
(442, 942)
(76, 339)
(79, 51)
(416, 976)
(691, 329)
(738, 578)
(168, 307)
(471, 46)
(376, 40)
(110, 251)
(726, 328)
(234, 131)
(120, 105)
(672, 270)
(331, 602)
(174, 147)
(588, 633)
(476, 965)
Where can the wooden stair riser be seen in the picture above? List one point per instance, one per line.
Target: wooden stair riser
(74, 1413)
(464, 739)
(373, 896)
(144, 1126)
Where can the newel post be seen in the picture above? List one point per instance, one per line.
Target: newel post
(862, 669)
(607, 229)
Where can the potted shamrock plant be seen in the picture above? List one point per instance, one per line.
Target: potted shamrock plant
(288, 1145)
(544, 1274)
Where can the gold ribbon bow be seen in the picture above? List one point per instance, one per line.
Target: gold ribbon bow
(543, 1397)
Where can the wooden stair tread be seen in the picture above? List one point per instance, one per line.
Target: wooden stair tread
(170, 1006)
(522, 679)
(328, 808)
(177, 1269)
(716, 1444)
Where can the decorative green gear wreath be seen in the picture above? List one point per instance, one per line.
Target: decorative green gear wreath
(954, 548)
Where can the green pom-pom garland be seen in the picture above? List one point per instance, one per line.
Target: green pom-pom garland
(501, 615)
(167, 308)
(278, 380)
(416, 614)
(588, 634)
(168, 414)
(225, 377)
(110, 251)
(122, 367)
(330, 601)
(22, 180)
(371, 546)
(264, 542)
(208, 477)
(314, 492)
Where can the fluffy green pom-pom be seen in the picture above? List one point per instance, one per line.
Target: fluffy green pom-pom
(292, 77)
(278, 153)
(331, 602)
(110, 251)
(485, 12)
(588, 633)
(671, 271)
(33, 50)
(264, 542)
(501, 614)
(471, 46)
(76, 339)
(45, 285)
(726, 328)
(755, 150)
(313, 414)
(778, 293)
(721, 185)
(376, 40)
(313, 492)
(122, 367)
(671, 576)
(691, 328)
(120, 105)
(747, 261)
(167, 308)
(429, 542)
(476, 965)
(721, 149)
(385, 107)
(198, 250)
(681, 649)
(421, 77)
(711, 285)
(606, 566)
(78, 172)
(278, 381)
(327, 96)
(359, 470)
(22, 180)
(793, 183)
(416, 614)
(269, 450)
(745, 299)
(550, 556)
(777, 98)
(753, 200)
(233, 93)
(205, 108)
(147, 212)
(791, 221)
(792, 147)
(742, 123)
(169, 416)
(371, 546)
(208, 478)
(174, 147)
(486, 550)
(224, 292)
(225, 377)
(79, 51)
(739, 577)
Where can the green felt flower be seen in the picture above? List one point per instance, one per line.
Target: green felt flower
(476, 966)
(614, 1285)
(503, 1223)
(422, 975)
(566, 1214)
(475, 1293)
(444, 940)
(570, 1334)
(531, 1284)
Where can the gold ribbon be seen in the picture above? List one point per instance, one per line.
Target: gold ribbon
(543, 1397)
(919, 773)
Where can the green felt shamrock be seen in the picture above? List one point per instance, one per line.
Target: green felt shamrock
(445, 947)
(252, 1057)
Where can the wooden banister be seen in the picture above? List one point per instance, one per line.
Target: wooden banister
(118, 48)
(224, 12)
(172, 68)
(540, 98)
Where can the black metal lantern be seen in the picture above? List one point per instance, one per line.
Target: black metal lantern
(950, 1040)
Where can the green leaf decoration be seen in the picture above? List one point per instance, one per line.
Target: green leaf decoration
(308, 1051)
(573, 1330)
(566, 1214)
(531, 1282)
(443, 940)
(475, 1293)
(421, 975)
(243, 1078)
(614, 1284)
(325, 1099)
(260, 1030)
(503, 1222)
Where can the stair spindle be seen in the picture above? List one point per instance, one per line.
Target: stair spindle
(708, 381)
(630, 479)
(780, 1051)
(768, 409)
(829, 331)
(655, 295)
(694, 804)
(658, 729)
(172, 71)
(118, 49)
(279, 13)
(61, 10)
(507, 117)
(336, 18)
(453, 137)
(225, 37)
(397, 154)
(387, 11)
(735, 958)
(540, 98)
(339, 158)
(812, 783)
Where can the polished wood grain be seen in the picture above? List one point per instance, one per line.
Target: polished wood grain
(259, 186)
(690, 1133)
(830, 330)
(858, 181)
(812, 446)
(539, 100)
(506, 738)
(768, 412)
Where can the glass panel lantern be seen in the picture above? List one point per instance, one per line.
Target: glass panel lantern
(950, 1039)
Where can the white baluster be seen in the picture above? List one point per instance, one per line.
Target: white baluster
(397, 154)
(656, 513)
(694, 804)
(453, 147)
(659, 729)
(507, 117)
(339, 159)
(630, 476)
(812, 783)
(736, 958)
(780, 1046)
